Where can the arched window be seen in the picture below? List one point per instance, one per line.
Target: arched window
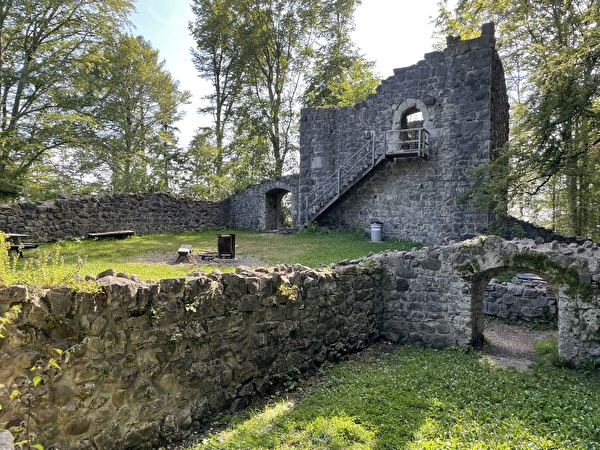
(409, 136)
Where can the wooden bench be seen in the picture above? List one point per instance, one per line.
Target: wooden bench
(111, 234)
(185, 251)
(22, 246)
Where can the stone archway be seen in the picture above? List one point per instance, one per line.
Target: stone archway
(274, 209)
(259, 207)
(435, 295)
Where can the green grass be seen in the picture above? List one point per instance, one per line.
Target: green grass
(417, 398)
(131, 255)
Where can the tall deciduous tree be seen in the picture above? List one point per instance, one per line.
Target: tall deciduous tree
(258, 56)
(130, 130)
(218, 59)
(43, 43)
(340, 75)
(551, 53)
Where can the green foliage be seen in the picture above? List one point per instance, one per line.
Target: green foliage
(416, 398)
(40, 372)
(505, 276)
(547, 353)
(340, 76)
(290, 292)
(257, 56)
(46, 45)
(48, 269)
(550, 55)
(132, 105)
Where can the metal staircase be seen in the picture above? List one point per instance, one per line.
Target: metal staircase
(413, 142)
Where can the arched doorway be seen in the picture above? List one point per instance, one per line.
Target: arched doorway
(515, 316)
(278, 209)
(409, 134)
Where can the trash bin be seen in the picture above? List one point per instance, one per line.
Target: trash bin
(226, 246)
(376, 231)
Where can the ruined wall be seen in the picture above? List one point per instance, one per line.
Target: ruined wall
(156, 358)
(462, 95)
(521, 300)
(435, 295)
(255, 207)
(74, 217)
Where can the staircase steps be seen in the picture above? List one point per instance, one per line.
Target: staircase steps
(377, 150)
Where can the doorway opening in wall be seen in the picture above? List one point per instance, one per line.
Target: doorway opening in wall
(278, 209)
(516, 319)
(411, 124)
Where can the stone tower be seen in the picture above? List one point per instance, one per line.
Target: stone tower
(402, 157)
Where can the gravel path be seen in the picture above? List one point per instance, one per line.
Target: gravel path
(512, 345)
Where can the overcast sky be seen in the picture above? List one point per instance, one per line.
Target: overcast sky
(392, 33)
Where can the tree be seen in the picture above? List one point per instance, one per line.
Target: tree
(340, 76)
(552, 59)
(129, 134)
(218, 58)
(257, 55)
(43, 43)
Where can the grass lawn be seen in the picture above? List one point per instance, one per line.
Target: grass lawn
(416, 398)
(133, 255)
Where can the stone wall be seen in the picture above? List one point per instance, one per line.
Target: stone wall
(521, 300)
(462, 96)
(435, 295)
(154, 359)
(253, 208)
(74, 217)
(257, 207)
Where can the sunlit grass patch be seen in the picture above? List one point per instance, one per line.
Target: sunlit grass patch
(138, 254)
(417, 398)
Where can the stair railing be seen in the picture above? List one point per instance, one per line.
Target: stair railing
(392, 143)
(332, 187)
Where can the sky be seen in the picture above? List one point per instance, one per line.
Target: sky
(391, 33)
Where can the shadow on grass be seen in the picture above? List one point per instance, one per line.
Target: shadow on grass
(417, 398)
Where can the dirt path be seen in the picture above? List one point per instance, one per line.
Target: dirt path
(512, 345)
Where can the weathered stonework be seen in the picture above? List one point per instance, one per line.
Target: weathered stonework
(461, 93)
(520, 300)
(257, 207)
(155, 358)
(435, 295)
(74, 217)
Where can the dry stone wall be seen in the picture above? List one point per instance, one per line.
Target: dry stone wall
(154, 359)
(521, 300)
(74, 217)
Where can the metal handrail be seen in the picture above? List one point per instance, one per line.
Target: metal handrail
(332, 186)
(335, 179)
